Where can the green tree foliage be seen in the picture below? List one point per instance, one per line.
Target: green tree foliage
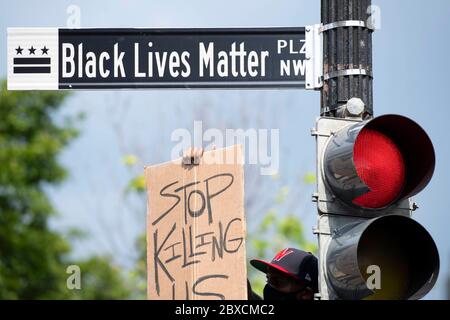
(33, 257)
(100, 280)
(138, 275)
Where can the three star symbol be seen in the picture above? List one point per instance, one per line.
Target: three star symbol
(32, 50)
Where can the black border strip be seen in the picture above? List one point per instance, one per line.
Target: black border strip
(21, 70)
(31, 61)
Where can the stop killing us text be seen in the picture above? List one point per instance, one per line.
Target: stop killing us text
(235, 62)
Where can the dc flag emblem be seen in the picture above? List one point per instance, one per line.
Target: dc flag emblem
(282, 254)
(31, 60)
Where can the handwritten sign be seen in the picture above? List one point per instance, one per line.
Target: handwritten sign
(196, 229)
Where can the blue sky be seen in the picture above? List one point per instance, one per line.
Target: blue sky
(410, 70)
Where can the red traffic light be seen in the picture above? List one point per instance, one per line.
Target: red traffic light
(375, 163)
(380, 165)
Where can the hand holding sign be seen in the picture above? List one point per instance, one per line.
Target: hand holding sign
(192, 156)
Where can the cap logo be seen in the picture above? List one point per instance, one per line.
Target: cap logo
(282, 254)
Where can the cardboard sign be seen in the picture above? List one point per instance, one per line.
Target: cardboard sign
(196, 229)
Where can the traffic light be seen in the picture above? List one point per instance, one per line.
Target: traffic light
(370, 247)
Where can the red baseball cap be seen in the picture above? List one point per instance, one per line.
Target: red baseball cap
(298, 264)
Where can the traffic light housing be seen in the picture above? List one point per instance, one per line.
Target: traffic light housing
(367, 173)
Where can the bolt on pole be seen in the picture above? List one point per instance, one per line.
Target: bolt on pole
(347, 56)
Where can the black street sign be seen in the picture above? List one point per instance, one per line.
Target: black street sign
(51, 58)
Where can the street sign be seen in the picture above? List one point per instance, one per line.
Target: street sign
(52, 58)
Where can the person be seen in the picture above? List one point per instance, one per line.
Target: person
(292, 275)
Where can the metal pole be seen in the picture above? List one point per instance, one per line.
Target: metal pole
(346, 48)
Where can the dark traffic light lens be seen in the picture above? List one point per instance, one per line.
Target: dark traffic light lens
(388, 258)
(380, 165)
(404, 254)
